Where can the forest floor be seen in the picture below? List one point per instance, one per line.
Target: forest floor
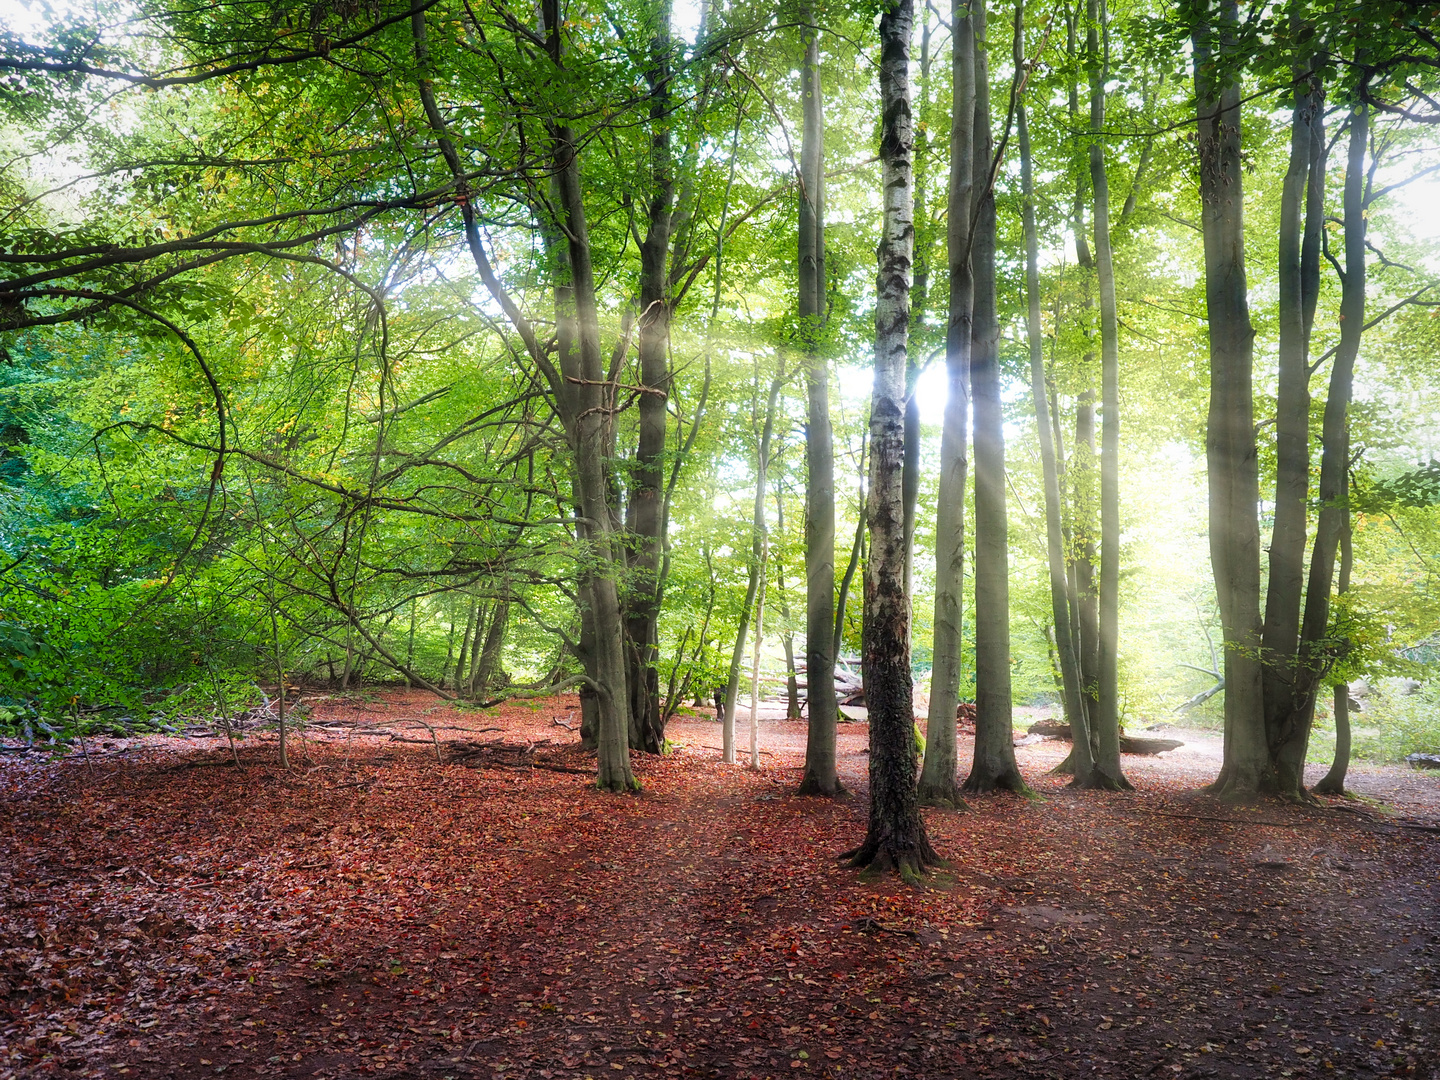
(373, 913)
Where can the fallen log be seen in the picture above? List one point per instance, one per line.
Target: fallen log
(1129, 745)
(1050, 728)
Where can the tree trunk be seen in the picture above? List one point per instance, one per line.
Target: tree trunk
(755, 664)
(349, 667)
(1333, 782)
(1077, 206)
(1067, 537)
(444, 666)
(994, 762)
(1087, 605)
(1301, 198)
(579, 390)
(1081, 763)
(1288, 744)
(820, 777)
(919, 299)
(591, 439)
(757, 552)
(489, 666)
(857, 556)
(1105, 724)
(482, 617)
(1230, 428)
(895, 838)
(464, 646)
(410, 641)
(280, 679)
(787, 636)
(939, 773)
(644, 510)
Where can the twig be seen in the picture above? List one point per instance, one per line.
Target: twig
(867, 925)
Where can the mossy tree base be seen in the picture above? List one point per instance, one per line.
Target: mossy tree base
(816, 787)
(941, 796)
(995, 775)
(907, 854)
(1100, 780)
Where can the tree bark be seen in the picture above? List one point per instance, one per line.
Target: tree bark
(939, 779)
(484, 678)
(579, 390)
(464, 656)
(591, 441)
(1234, 484)
(1105, 725)
(919, 300)
(757, 554)
(857, 556)
(1081, 763)
(1333, 783)
(994, 761)
(787, 635)
(1301, 213)
(895, 838)
(645, 522)
(1288, 744)
(482, 613)
(755, 663)
(820, 776)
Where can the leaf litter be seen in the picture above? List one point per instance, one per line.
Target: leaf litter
(377, 914)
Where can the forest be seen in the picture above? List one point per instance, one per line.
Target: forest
(933, 408)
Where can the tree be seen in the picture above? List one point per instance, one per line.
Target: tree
(1105, 724)
(994, 761)
(1081, 761)
(895, 837)
(820, 777)
(1230, 430)
(939, 782)
(756, 568)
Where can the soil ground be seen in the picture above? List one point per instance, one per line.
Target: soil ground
(374, 913)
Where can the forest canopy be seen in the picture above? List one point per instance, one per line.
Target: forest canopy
(502, 349)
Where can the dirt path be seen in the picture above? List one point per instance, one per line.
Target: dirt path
(398, 918)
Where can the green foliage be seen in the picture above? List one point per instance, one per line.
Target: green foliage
(1396, 723)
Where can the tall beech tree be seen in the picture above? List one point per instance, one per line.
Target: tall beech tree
(1081, 761)
(645, 517)
(1104, 727)
(895, 837)
(755, 569)
(939, 780)
(994, 759)
(1289, 739)
(1230, 450)
(1302, 211)
(820, 777)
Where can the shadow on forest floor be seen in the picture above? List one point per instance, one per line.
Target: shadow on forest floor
(389, 916)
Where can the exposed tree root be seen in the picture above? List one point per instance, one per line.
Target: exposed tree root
(982, 781)
(1100, 780)
(813, 787)
(619, 786)
(909, 858)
